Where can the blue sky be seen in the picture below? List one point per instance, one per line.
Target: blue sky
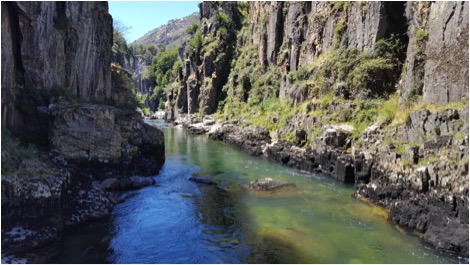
(143, 16)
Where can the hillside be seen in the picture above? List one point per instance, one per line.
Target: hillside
(172, 34)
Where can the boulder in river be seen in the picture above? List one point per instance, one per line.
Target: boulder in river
(267, 184)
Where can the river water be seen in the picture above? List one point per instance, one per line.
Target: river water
(178, 221)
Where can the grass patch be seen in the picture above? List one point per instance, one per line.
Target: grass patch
(365, 115)
(421, 35)
(403, 113)
(339, 6)
(388, 109)
(458, 136)
(427, 160)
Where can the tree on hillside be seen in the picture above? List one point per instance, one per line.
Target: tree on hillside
(140, 49)
(121, 50)
(120, 28)
(151, 49)
(161, 47)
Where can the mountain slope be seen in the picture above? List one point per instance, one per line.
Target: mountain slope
(172, 34)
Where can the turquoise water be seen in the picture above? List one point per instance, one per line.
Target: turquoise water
(178, 221)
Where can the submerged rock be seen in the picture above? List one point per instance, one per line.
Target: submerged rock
(202, 180)
(139, 182)
(267, 184)
(126, 183)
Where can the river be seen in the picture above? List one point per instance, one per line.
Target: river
(179, 221)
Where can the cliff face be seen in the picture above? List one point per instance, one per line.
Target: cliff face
(137, 66)
(446, 67)
(205, 59)
(371, 93)
(47, 45)
(285, 36)
(437, 50)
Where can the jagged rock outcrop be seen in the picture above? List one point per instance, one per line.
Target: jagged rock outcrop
(47, 45)
(92, 149)
(251, 139)
(106, 139)
(199, 84)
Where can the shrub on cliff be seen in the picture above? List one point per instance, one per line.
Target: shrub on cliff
(123, 92)
(193, 45)
(13, 153)
(191, 30)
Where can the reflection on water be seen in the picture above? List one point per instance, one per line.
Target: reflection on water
(178, 221)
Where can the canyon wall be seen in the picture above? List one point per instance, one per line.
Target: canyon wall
(371, 93)
(56, 78)
(47, 45)
(285, 36)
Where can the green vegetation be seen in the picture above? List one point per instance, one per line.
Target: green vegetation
(224, 21)
(162, 72)
(365, 115)
(419, 47)
(271, 113)
(403, 113)
(365, 80)
(421, 35)
(162, 66)
(338, 32)
(366, 75)
(191, 30)
(388, 109)
(193, 44)
(243, 8)
(427, 160)
(146, 111)
(124, 93)
(458, 136)
(14, 153)
(339, 6)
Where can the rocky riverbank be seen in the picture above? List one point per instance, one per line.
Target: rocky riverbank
(424, 186)
(57, 58)
(93, 149)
